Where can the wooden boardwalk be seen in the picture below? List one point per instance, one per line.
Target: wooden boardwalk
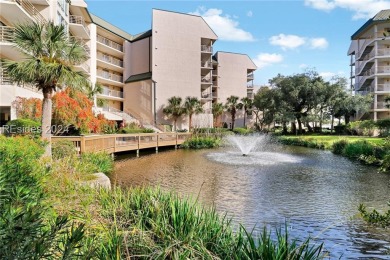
(123, 142)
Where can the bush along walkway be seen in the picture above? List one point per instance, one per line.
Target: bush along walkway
(368, 150)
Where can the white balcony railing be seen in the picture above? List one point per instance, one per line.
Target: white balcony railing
(4, 79)
(109, 43)
(112, 93)
(30, 9)
(110, 59)
(381, 105)
(206, 48)
(6, 33)
(206, 80)
(75, 19)
(383, 87)
(206, 95)
(250, 75)
(109, 75)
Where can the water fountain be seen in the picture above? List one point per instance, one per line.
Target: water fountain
(252, 150)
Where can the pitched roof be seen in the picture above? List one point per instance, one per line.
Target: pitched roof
(382, 16)
(139, 77)
(112, 28)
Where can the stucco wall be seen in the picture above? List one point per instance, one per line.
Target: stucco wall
(139, 100)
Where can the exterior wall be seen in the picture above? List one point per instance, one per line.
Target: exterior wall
(140, 56)
(233, 80)
(176, 56)
(139, 100)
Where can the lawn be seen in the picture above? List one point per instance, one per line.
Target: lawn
(328, 140)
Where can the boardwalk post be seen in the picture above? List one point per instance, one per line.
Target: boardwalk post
(114, 144)
(82, 144)
(157, 137)
(176, 141)
(139, 140)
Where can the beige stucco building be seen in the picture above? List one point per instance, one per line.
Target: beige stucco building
(370, 63)
(138, 72)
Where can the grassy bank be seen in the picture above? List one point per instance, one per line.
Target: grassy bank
(46, 213)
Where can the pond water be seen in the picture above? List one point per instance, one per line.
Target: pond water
(314, 192)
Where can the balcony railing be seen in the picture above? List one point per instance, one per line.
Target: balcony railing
(6, 33)
(83, 43)
(84, 66)
(110, 59)
(4, 79)
(112, 93)
(109, 43)
(206, 80)
(112, 109)
(383, 69)
(206, 48)
(110, 76)
(206, 95)
(250, 76)
(206, 64)
(383, 87)
(381, 105)
(75, 19)
(30, 9)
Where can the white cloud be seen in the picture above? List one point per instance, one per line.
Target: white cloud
(291, 42)
(224, 25)
(319, 43)
(303, 66)
(363, 9)
(249, 14)
(329, 75)
(287, 41)
(265, 59)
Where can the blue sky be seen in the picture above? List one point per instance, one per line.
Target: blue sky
(280, 36)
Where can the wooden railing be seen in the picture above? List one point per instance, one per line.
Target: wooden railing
(123, 142)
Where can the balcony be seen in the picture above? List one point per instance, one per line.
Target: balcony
(20, 11)
(110, 78)
(380, 105)
(112, 93)
(6, 44)
(109, 61)
(250, 76)
(84, 67)
(206, 82)
(78, 27)
(383, 87)
(109, 46)
(4, 79)
(206, 49)
(83, 43)
(206, 64)
(205, 97)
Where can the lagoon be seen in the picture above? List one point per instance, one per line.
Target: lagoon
(315, 192)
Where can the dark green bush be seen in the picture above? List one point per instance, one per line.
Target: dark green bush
(358, 148)
(366, 127)
(384, 127)
(340, 129)
(311, 143)
(98, 162)
(27, 231)
(339, 146)
(22, 127)
(242, 131)
(63, 148)
(201, 142)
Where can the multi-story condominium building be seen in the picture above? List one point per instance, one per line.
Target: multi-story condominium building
(370, 63)
(138, 72)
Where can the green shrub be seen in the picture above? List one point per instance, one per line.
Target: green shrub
(375, 217)
(63, 148)
(147, 130)
(311, 143)
(98, 162)
(340, 129)
(242, 131)
(384, 127)
(358, 148)
(22, 127)
(366, 127)
(27, 231)
(339, 146)
(201, 143)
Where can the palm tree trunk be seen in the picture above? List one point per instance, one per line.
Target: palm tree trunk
(244, 118)
(190, 123)
(46, 119)
(233, 119)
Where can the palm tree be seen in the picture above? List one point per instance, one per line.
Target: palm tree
(217, 110)
(174, 110)
(232, 106)
(49, 65)
(247, 104)
(192, 106)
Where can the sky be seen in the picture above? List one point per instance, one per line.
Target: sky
(285, 37)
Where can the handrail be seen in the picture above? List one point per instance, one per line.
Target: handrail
(6, 33)
(112, 93)
(206, 64)
(30, 9)
(206, 48)
(85, 66)
(109, 43)
(110, 59)
(109, 75)
(75, 19)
